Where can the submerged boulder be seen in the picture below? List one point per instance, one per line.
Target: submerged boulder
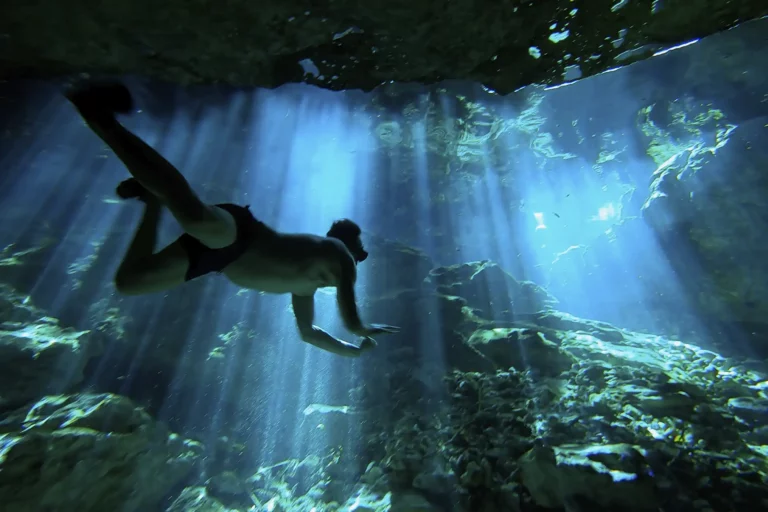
(489, 290)
(463, 310)
(612, 476)
(521, 349)
(89, 452)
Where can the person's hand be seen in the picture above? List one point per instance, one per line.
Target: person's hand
(367, 344)
(375, 329)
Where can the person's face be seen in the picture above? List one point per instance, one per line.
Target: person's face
(359, 252)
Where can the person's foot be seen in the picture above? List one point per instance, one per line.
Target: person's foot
(132, 189)
(101, 99)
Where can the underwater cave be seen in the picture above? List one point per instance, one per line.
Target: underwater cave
(558, 210)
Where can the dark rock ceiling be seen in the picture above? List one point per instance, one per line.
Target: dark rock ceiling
(503, 44)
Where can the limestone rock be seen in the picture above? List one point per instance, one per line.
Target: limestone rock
(414, 309)
(365, 501)
(610, 419)
(196, 499)
(349, 45)
(37, 355)
(90, 453)
(612, 476)
(565, 322)
(751, 410)
(491, 291)
(521, 349)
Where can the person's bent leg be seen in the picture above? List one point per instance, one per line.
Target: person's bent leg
(212, 226)
(144, 271)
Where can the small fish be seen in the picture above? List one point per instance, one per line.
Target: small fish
(556, 215)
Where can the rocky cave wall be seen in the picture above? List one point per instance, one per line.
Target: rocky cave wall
(351, 45)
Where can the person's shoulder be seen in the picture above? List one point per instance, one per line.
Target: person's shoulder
(334, 249)
(324, 248)
(334, 246)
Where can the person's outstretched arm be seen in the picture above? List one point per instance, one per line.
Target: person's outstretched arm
(345, 297)
(304, 310)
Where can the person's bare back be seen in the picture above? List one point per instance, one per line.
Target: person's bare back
(289, 263)
(224, 238)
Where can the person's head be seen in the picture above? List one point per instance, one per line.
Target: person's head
(349, 233)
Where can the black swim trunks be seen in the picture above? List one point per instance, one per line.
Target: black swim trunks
(204, 260)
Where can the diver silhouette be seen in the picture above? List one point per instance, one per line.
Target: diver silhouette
(223, 238)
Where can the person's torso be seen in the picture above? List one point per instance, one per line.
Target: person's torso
(285, 263)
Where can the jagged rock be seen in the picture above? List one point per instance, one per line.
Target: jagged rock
(612, 476)
(196, 499)
(621, 401)
(91, 453)
(295, 484)
(633, 351)
(565, 322)
(640, 390)
(365, 501)
(751, 410)
(757, 436)
(350, 45)
(465, 302)
(521, 349)
(650, 401)
(488, 289)
(449, 315)
(37, 356)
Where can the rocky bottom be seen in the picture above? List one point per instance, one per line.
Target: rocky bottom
(588, 417)
(635, 422)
